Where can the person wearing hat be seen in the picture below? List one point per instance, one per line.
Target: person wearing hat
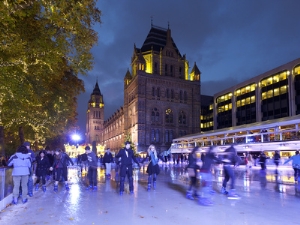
(30, 179)
(92, 168)
(60, 168)
(42, 167)
(126, 154)
(21, 163)
(296, 165)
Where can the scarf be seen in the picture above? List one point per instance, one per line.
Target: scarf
(153, 159)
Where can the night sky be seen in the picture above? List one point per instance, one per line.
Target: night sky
(230, 40)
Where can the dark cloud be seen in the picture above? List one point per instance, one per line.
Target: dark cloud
(230, 41)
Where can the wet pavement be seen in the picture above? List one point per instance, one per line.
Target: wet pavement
(266, 198)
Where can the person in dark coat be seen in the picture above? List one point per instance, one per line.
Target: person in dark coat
(92, 169)
(262, 160)
(60, 168)
(230, 159)
(276, 158)
(152, 168)
(126, 155)
(51, 160)
(42, 168)
(192, 169)
(30, 179)
(107, 160)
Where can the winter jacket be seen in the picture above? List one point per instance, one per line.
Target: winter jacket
(43, 166)
(92, 160)
(21, 164)
(230, 157)
(62, 161)
(126, 161)
(296, 161)
(107, 158)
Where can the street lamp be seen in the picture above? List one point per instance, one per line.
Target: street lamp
(76, 138)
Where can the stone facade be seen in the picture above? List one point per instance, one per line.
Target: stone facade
(161, 97)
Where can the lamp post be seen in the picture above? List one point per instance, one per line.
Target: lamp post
(76, 138)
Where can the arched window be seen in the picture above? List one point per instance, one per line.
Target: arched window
(154, 115)
(169, 116)
(167, 93)
(172, 94)
(185, 97)
(180, 96)
(152, 135)
(157, 135)
(167, 136)
(182, 118)
(158, 92)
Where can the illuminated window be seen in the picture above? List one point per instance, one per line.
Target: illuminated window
(238, 103)
(243, 102)
(270, 94)
(247, 101)
(264, 95)
(269, 81)
(276, 91)
(252, 99)
(275, 78)
(283, 75)
(297, 70)
(283, 89)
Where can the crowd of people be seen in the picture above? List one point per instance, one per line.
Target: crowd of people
(53, 165)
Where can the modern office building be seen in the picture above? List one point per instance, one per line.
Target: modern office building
(271, 95)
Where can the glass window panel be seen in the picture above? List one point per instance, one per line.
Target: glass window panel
(264, 95)
(283, 89)
(276, 78)
(252, 99)
(243, 102)
(270, 94)
(297, 70)
(248, 100)
(269, 81)
(276, 91)
(283, 76)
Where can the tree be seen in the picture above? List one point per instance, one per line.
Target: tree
(44, 46)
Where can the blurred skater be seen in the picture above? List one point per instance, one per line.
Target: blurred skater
(296, 165)
(192, 169)
(206, 177)
(230, 159)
